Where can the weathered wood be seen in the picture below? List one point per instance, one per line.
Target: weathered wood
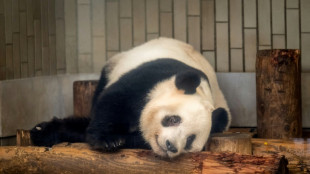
(231, 142)
(278, 90)
(83, 92)
(23, 138)
(297, 151)
(77, 158)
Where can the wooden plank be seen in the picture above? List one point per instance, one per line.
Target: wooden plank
(2, 48)
(60, 45)
(304, 15)
(99, 53)
(71, 35)
(31, 56)
(45, 38)
(30, 22)
(208, 25)
(125, 8)
(85, 64)
(264, 17)
(84, 28)
(194, 32)
(1, 7)
(250, 42)
(23, 36)
(45, 61)
(78, 158)
(166, 24)
(22, 5)
(221, 10)
(59, 9)
(165, 5)
(52, 36)
(16, 55)
(179, 21)
(278, 16)
(278, 41)
(264, 47)
(111, 54)
(152, 36)
(210, 56)
(193, 7)
(24, 70)
(152, 16)
(126, 33)
(8, 21)
(98, 17)
(305, 52)
(36, 9)
(9, 61)
(112, 25)
(292, 29)
(249, 13)
(236, 57)
(292, 4)
(52, 54)
(139, 24)
(37, 46)
(222, 51)
(52, 18)
(235, 24)
(15, 16)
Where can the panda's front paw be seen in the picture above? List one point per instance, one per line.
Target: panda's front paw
(110, 143)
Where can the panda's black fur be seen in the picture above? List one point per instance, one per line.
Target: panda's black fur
(116, 109)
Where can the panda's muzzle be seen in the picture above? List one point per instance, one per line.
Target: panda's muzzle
(171, 147)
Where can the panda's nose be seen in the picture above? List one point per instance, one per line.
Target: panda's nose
(171, 147)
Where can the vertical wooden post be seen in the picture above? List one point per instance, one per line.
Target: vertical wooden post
(83, 92)
(278, 91)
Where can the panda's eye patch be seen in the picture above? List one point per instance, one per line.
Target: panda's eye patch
(189, 142)
(173, 120)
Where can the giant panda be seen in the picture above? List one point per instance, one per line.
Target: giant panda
(161, 95)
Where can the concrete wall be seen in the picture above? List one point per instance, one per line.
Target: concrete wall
(26, 102)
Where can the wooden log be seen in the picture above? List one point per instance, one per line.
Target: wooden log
(77, 158)
(297, 151)
(231, 142)
(278, 90)
(83, 92)
(23, 138)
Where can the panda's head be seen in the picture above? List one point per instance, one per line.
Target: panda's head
(177, 118)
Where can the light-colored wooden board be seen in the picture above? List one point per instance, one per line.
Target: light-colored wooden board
(278, 16)
(44, 24)
(85, 64)
(1, 7)
(221, 10)
(24, 70)
(208, 25)
(8, 21)
(139, 25)
(30, 24)
(152, 16)
(60, 44)
(99, 53)
(45, 61)
(193, 7)
(264, 47)
(264, 17)
(15, 16)
(125, 8)
(23, 36)
(249, 13)
(166, 24)
(52, 54)
(37, 46)
(304, 15)
(236, 57)
(126, 33)
(292, 29)
(250, 48)
(151, 36)
(222, 50)
(112, 25)
(292, 3)
(305, 52)
(22, 5)
(278, 41)
(165, 5)
(16, 55)
(210, 56)
(98, 17)
(60, 9)
(84, 29)
(194, 32)
(111, 54)
(9, 61)
(179, 20)
(71, 17)
(235, 23)
(2, 44)
(30, 55)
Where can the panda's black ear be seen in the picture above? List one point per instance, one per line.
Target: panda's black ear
(187, 81)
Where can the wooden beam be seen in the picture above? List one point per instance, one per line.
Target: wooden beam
(78, 158)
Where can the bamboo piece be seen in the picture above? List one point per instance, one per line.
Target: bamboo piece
(77, 158)
(83, 92)
(278, 91)
(231, 142)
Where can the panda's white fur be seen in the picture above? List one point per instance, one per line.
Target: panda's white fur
(195, 110)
